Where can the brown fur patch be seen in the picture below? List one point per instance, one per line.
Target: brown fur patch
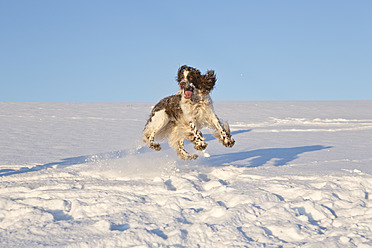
(172, 107)
(207, 82)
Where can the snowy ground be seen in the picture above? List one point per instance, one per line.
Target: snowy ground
(74, 175)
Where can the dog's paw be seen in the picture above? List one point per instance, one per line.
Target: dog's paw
(187, 156)
(155, 146)
(200, 146)
(228, 142)
(193, 157)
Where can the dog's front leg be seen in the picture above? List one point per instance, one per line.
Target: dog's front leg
(222, 131)
(197, 137)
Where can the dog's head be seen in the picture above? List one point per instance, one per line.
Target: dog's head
(191, 81)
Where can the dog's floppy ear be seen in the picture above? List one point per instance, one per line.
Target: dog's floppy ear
(211, 77)
(208, 80)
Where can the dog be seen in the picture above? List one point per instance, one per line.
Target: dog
(181, 116)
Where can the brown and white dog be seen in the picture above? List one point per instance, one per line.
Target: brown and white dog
(181, 116)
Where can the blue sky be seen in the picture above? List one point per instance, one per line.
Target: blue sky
(129, 51)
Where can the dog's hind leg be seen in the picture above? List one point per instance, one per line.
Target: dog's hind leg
(176, 139)
(183, 154)
(156, 122)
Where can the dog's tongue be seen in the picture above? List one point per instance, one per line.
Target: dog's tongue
(188, 93)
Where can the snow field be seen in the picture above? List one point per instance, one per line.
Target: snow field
(81, 179)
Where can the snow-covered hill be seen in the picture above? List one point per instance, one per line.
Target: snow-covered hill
(75, 175)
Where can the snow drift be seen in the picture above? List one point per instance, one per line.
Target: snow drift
(76, 175)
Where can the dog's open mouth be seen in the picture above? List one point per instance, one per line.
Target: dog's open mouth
(188, 93)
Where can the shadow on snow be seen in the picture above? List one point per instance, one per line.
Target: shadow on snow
(257, 157)
(91, 158)
(69, 161)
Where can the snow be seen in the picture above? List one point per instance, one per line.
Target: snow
(76, 175)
